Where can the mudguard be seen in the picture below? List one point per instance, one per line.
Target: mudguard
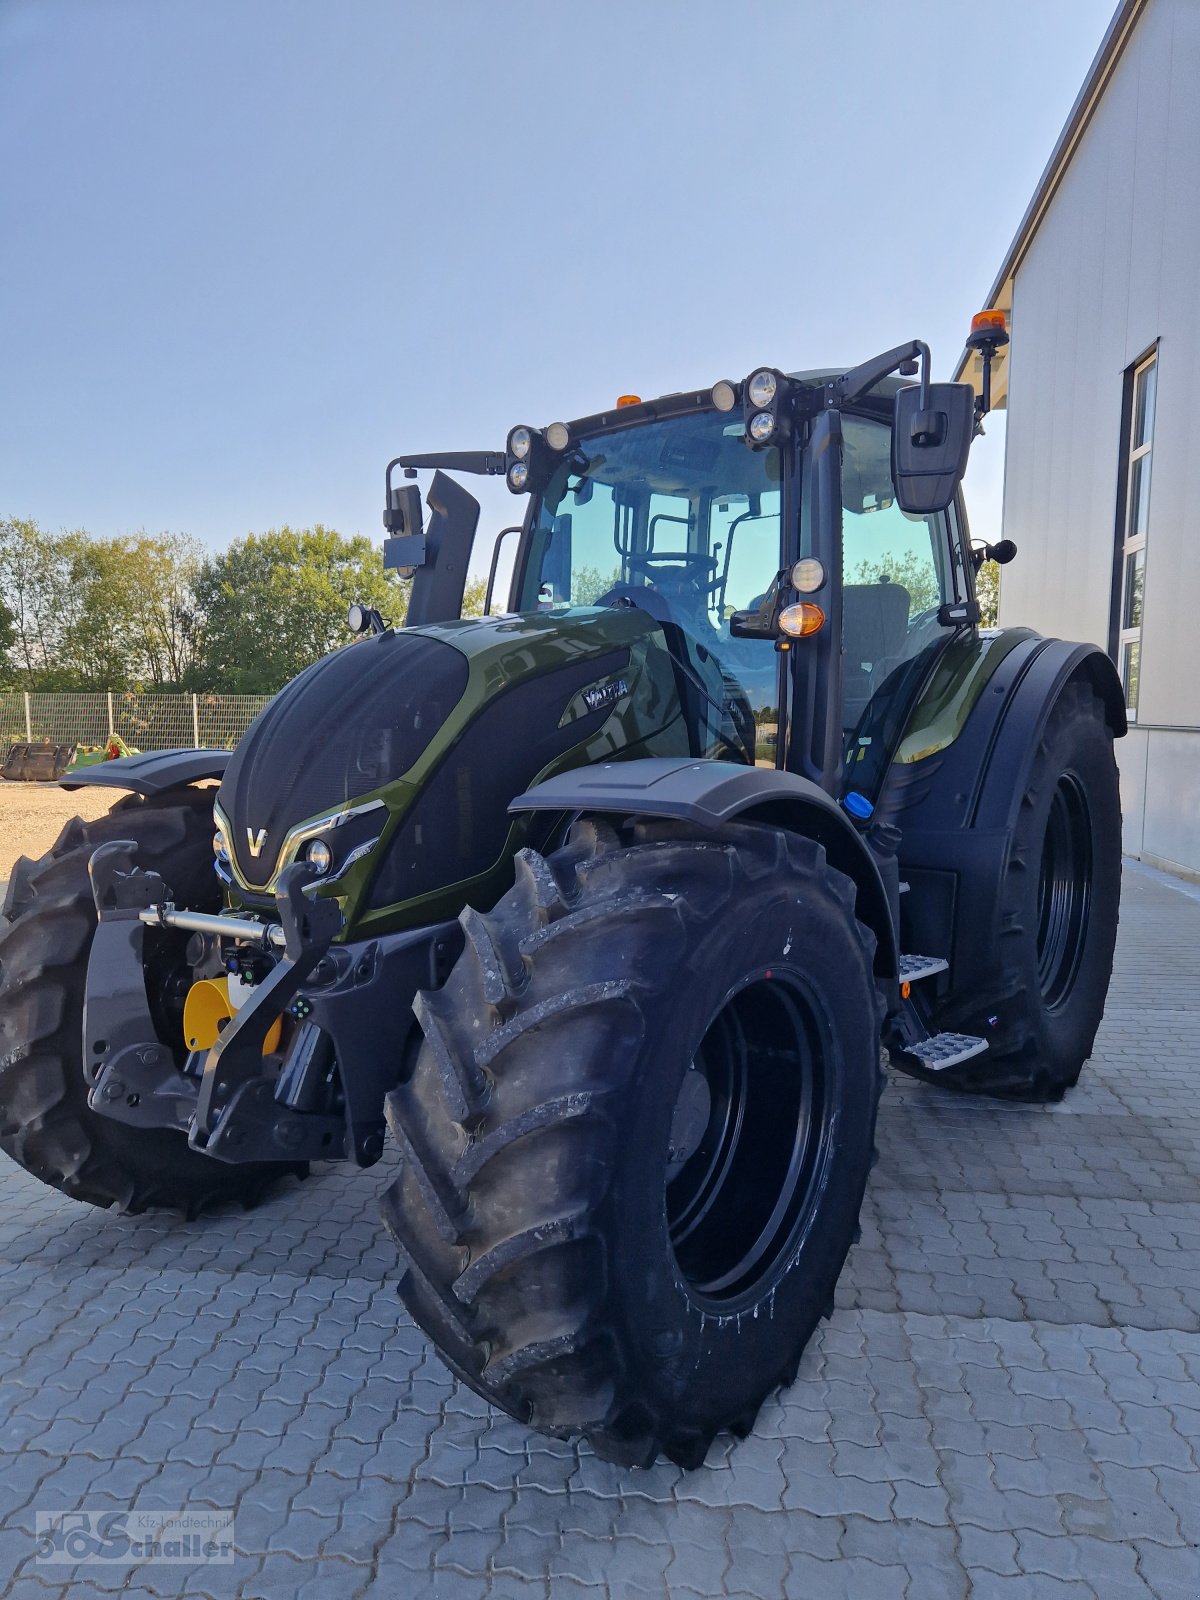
(957, 809)
(152, 773)
(710, 793)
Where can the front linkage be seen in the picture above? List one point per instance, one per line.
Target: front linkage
(239, 1100)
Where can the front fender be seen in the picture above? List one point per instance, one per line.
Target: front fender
(153, 773)
(711, 793)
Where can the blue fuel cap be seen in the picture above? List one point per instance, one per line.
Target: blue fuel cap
(858, 805)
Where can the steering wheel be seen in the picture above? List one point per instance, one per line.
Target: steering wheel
(683, 563)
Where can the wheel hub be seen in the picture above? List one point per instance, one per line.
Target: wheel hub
(747, 1140)
(1064, 891)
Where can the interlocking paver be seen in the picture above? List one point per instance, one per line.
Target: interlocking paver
(1004, 1402)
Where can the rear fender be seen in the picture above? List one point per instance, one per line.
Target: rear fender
(711, 793)
(1024, 713)
(957, 810)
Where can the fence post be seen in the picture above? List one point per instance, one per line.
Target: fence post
(28, 723)
(196, 719)
(112, 727)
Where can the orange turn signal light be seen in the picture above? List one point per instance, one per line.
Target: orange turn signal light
(629, 400)
(989, 322)
(800, 620)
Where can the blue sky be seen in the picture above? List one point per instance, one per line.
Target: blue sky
(252, 248)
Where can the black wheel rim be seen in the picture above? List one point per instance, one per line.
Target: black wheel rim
(1064, 891)
(739, 1201)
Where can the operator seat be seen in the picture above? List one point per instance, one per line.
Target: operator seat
(679, 602)
(874, 628)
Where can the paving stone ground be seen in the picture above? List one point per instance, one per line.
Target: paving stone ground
(1005, 1403)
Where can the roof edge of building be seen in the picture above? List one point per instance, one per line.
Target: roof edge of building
(1103, 65)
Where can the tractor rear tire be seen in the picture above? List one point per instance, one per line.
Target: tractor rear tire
(46, 929)
(1059, 902)
(635, 1141)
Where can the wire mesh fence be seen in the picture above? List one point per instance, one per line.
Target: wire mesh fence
(143, 721)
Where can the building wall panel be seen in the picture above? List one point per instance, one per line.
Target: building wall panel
(1112, 271)
(1171, 833)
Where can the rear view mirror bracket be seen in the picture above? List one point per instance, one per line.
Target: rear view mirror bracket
(763, 621)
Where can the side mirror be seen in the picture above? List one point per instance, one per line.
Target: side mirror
(406, 550)
(930, 444)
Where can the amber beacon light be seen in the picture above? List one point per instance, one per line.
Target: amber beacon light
(989, 331)
(987, 324)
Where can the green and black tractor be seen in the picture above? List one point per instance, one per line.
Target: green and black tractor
(602, 913)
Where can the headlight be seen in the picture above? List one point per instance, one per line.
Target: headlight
(762, 387)
(762, 426)
(724, 395)
(520, 441)
(558, 436)
(319, 855)
(518, 476)
(220, 848)
(808, 575)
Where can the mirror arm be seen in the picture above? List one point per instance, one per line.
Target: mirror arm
(484, 463)
(855, 383)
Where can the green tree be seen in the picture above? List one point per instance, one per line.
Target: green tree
(97, 646)
(987, 592)
(35, 582)
(156, 583)
(8, 637)
(916, 572)
(473, 597)
(589, 583)
(96, 613)
(272, 603)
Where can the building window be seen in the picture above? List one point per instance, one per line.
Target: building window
(1132, 523)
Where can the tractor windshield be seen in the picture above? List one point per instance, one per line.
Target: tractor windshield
(677, 515)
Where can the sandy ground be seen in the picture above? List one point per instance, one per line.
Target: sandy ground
(32, 816)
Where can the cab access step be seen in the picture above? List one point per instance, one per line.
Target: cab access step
(912, 1045)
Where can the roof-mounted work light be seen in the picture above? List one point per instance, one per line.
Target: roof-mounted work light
(521, 453)
(724, 395)
(765, 396)
(532, 454)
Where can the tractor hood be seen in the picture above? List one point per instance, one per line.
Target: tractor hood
(345, 726)
(345, 750)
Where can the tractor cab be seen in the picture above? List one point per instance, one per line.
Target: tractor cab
(800, 539)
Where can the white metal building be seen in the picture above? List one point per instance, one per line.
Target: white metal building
(1102, 464)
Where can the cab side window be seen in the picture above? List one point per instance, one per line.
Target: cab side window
(895, 567)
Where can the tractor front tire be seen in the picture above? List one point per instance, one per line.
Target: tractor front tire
(46, 929)
(1059, 901)
(636, 1138)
